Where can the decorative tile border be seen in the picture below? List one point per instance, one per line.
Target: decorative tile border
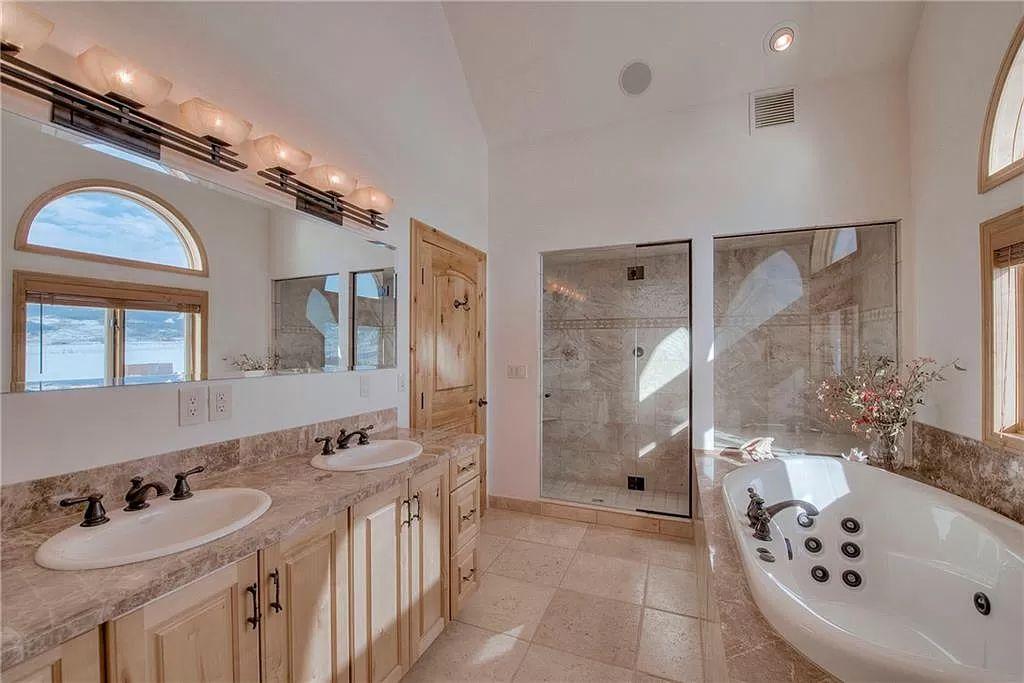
(37, 500)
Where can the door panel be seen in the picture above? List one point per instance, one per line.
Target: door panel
(448, 339)
(305, 605)
(379, 541)
(429, 572)
(76, 661)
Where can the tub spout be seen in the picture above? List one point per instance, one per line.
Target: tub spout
(775, 509)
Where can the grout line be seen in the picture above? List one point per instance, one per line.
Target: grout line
(640, 628)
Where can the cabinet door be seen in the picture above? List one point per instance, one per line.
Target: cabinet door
(464, 578)
(465, 514)
(379, 541)
(207, 631)
(76, 661)
(428, 597)
(305, 605)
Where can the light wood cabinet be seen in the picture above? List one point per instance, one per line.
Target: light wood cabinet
(379, 538)
(464, 577)
(305, 605)
(207, 631)
(464, 468)
(428, 553)
(465, 514)
(76, 661)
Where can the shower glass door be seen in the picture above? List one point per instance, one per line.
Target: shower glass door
(616, 377)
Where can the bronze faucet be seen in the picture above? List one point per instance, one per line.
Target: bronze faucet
(136, 496)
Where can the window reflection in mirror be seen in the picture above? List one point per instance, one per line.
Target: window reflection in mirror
(372, 342)
(306, 315)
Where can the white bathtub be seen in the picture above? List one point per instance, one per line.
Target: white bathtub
(924, 556)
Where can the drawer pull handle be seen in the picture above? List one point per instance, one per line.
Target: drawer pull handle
(417, 499)
(275, 576)
(467, 468)
(255, 618)
(408, 513)
(469, 515)
(469, 576)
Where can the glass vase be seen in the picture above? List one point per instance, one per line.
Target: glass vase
(886, 452)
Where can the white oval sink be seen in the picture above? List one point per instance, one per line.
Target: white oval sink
(374, 455)
(165, 527)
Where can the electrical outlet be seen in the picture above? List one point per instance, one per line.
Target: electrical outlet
(220, 402)
(364, 386)
(191, 405)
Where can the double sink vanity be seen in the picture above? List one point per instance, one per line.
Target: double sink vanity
(346, 565)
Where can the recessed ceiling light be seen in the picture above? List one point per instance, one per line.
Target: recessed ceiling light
(780, 38)
(635, 78)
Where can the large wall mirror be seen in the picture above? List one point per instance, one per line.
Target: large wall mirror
(121, 270)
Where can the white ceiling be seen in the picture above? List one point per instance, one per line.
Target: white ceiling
(540, 68)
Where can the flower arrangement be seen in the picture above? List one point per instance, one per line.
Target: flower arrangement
(247, 363)
(875, 398)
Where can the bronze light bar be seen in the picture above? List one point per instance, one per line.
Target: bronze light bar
(110, 118)
(327, 205)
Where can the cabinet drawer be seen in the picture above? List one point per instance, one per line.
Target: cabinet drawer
(464, 513)
(464, 576)
(464, 468)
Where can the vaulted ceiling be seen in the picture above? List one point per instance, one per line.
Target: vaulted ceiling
(539, 68)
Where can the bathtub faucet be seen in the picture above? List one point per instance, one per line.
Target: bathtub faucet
(775, 509)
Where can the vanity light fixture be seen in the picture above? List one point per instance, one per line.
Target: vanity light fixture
(781, 38)
(122, 80)
(214, 123)
(330, 179)
(116, 117)
(21, 28)
(278, 154)
(326, 204)
(372, 199)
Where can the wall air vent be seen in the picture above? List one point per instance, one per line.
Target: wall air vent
(772, 108)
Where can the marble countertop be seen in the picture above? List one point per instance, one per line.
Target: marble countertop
(754, 651)
(43, 608)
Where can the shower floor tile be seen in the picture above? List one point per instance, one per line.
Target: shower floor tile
(676, 502)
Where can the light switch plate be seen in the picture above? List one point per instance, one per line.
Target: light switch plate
(364, 386)
(515, 371)
(191, 405)
(220, 402)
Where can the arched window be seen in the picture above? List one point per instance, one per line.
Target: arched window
(1002, 143)
(111, 222)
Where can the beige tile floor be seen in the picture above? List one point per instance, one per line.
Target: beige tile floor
(564, 601)
(677, 502)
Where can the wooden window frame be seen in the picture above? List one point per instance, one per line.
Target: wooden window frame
(994, 234)
(189, 237)
(110, 294)
(986, 180)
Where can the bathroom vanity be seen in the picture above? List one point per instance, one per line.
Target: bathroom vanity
(346, 575)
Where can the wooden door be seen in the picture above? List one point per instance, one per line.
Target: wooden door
(305, 605)
(448, 340)
(207, 631)
(428, 595)
(379, 539)
(76, 661)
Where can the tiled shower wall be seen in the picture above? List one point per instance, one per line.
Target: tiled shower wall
(607, 413)
(790, 310)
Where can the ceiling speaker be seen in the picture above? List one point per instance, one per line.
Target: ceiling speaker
(635, 78)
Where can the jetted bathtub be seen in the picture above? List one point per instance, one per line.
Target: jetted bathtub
(892, 581)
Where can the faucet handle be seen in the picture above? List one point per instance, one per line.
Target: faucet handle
(363, 438)
(181, 488)
(328, 448)
(95, 514)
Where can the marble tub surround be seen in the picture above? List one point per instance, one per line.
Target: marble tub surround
(791, 309)
(990, 476)
(37, 500)
(43, 608)
(739, 643)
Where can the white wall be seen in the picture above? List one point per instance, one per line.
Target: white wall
(693, 174)
(953, 65)
(392, 105)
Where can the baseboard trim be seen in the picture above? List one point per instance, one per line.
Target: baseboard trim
(579, 512)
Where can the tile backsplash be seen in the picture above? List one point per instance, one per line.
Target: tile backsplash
(37, 500)
(987, 475)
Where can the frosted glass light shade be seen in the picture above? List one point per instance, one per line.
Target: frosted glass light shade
(109, 73)
(22, 27)
(274, 151)
(330, 178)
(207, 119)
(371, 199)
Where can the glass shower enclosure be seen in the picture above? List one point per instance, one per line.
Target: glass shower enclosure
(616, 388)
